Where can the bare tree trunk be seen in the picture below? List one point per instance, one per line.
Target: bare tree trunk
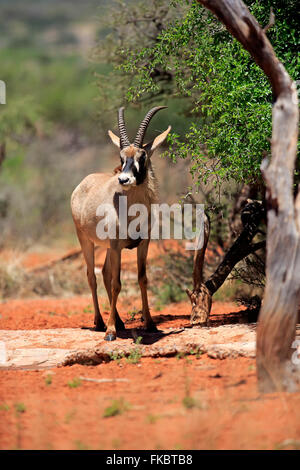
(200, 296)
(248, 191)
(278, 316)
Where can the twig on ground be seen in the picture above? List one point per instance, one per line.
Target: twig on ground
(102, 381)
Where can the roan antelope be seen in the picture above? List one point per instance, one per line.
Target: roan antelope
(135, 180)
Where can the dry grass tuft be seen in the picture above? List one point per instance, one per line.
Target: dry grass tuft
(61, 280)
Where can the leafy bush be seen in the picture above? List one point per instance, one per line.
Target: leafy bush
(191, 56)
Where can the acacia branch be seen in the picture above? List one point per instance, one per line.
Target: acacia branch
(241, 248)
(271, 21)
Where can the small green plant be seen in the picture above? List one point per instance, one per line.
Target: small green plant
(71, 313)
(178, 447)
(76, 382)
(4, 407)
(88, 309)
(152, 419)
(116, 408)
(116, 443)
(196, 352)
(135, 355)
(20, 408)
(106, 306)
(116, 356)
(158, 306)
(132, 314)
(81, 445)
(48, 379)
(180, 355)
(189, 402)
(168, 293)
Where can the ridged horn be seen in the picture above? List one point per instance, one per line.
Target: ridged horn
(138, 141)
(124, 141)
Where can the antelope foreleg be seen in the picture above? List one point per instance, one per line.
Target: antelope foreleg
(142, 253)
(115, 263)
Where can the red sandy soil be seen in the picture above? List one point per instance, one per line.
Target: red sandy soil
(228, 411)
(37, 259)
(76, 312)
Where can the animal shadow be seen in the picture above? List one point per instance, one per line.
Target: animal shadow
(147, 336)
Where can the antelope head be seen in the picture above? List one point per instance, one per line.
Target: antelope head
(135, 157)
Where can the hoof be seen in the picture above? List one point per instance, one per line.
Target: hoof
(199, 324)
(110, 337)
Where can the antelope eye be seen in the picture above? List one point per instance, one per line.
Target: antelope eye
(143, 156)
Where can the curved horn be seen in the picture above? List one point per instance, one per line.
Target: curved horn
(138, 141)
(124, 141)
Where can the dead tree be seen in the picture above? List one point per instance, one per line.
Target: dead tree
(201, 295)
(278, 316)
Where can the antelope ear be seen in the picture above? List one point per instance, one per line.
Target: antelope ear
(114, 138)
(156, 142)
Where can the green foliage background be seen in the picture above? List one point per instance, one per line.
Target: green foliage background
(222, 91)
(61, 99)
(51, 109)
